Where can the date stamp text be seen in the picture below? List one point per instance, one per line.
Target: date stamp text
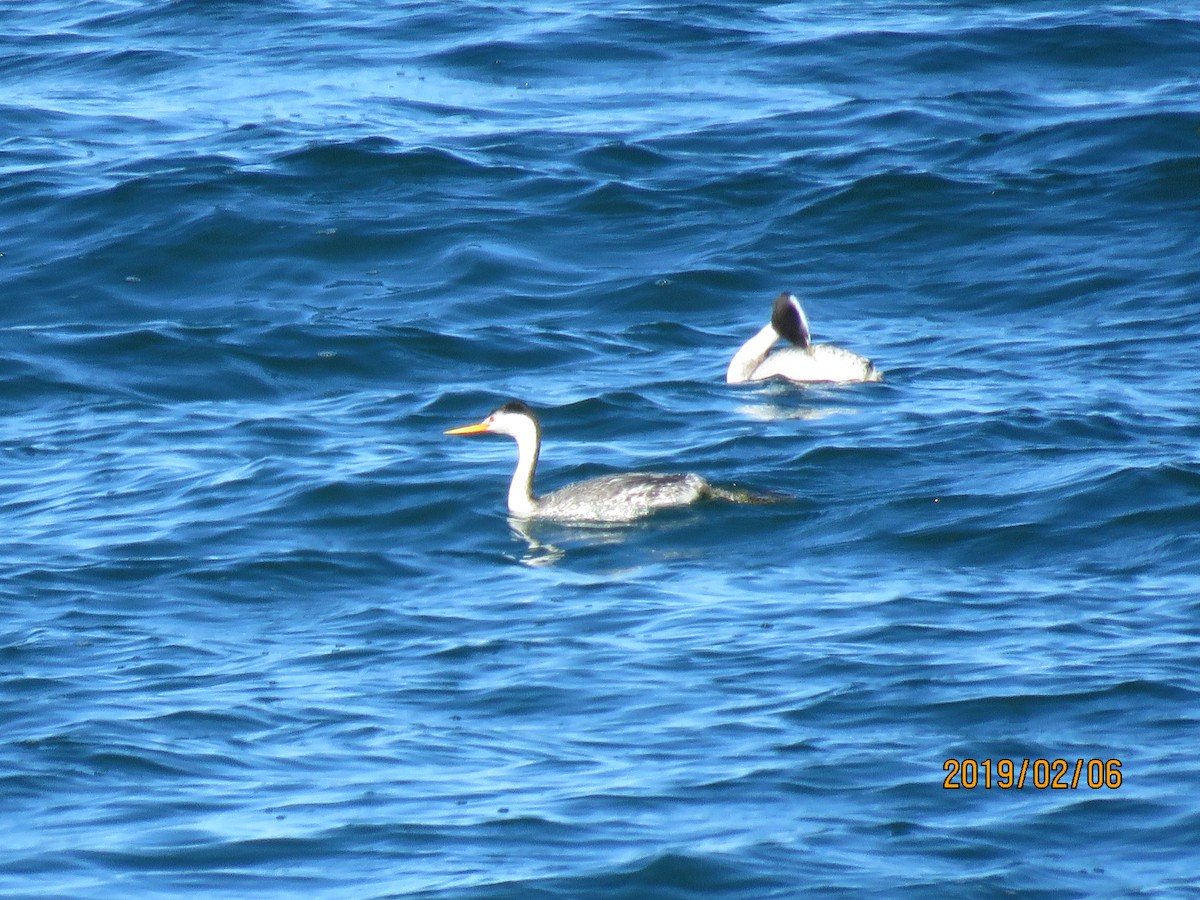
(1053, 774)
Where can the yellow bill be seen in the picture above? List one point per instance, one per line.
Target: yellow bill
(469, 429)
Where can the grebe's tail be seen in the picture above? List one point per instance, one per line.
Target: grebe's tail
(738, 495)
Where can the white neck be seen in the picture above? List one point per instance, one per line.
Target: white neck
(520, 491)
(747, 359)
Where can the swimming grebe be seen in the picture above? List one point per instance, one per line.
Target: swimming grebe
(609, 498)
(804, 361)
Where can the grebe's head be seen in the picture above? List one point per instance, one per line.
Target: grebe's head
(514, 418)
(789, 321)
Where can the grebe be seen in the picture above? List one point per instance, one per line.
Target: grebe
(804, 361)
(609, 498)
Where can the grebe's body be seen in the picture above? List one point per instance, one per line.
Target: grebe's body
(617, 498)
(804, 361)
(609, 498)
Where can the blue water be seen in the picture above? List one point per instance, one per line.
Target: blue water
(266, 632)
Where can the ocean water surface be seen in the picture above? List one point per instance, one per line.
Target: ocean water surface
(267, 632)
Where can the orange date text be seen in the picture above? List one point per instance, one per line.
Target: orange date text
(1043, 774)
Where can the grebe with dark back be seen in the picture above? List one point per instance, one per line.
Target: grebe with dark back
(609, 498)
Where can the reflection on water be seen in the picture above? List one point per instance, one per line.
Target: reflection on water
(774, 412)
(548, 542)
(538, 553)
